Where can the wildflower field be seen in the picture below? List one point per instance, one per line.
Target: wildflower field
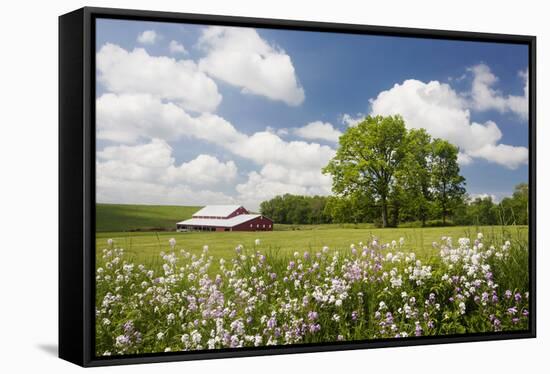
(257, 296)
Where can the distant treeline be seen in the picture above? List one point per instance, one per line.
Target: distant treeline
(296, 209)
(513, 210)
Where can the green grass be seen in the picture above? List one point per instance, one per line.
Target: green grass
(120, 217)
(324, 226)
(144, 247)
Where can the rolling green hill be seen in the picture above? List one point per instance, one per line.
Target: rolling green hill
(120, 217)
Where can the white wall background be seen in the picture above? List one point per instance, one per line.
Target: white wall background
(28, 183)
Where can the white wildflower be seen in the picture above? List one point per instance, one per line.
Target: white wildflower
(170, 317)
(462, 307)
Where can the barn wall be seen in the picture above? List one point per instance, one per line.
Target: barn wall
(237, 212)
(258, 224)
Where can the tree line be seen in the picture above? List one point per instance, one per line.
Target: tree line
(298, 209)
(512, 210)
(387, 174)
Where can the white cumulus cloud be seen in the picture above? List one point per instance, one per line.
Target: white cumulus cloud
(133, 119)
(136, 72)
(463, 159)
(154, 162)
(318, 130)
(240, 57)
(147, 173)
(125, 191)
(352, 119)
(274, 179)
(176, 47)
(203, 170)
(440, 110)
(130, 118)
(147, 37)
(265, 147)
(485, 97)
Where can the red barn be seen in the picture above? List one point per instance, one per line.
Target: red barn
(225, 218)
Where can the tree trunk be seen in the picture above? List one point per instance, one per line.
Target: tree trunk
(395, 218)
(444, 204)
(384, 213)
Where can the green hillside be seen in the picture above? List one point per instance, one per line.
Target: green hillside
(119, 217)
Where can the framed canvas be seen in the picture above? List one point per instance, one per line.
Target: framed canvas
(234, 186)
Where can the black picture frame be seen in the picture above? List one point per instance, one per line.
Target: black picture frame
(77, 176)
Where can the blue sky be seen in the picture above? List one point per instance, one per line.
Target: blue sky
(294, 86)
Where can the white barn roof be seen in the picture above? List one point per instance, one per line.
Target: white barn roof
(230, 222)
(216, 210)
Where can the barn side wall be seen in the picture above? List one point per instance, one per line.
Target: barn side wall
(258, 224)
(237, 212)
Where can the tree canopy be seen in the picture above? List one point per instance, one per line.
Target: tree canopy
(368, 158)
(405, 170)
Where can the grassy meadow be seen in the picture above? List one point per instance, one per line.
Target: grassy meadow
(132, 228)
(161, 291)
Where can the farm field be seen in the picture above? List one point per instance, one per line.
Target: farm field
(122, 217)
(145, 247)
(161, 290)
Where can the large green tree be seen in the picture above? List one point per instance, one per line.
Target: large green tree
(415, 177)
(447, 183)
(369, 156)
